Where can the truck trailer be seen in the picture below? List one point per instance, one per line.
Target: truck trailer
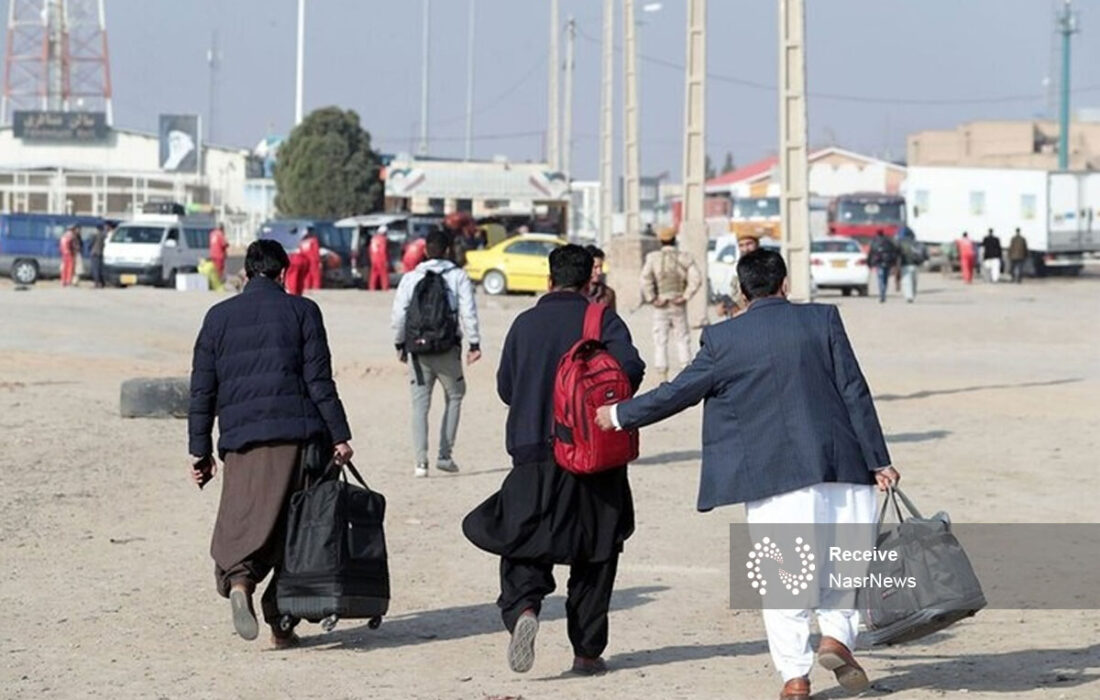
(1058, 213)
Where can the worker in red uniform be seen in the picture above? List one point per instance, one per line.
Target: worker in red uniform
(218, 249)
(296, 273)
(310, 247)
(414, 254)
(965, 246)
(379, 260)
(67, 247)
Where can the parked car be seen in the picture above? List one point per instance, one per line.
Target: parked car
(839, 263)
(401, 230)
(722, 257)
(519, 264)
(153, 248)
(337, 259)
(29, 243)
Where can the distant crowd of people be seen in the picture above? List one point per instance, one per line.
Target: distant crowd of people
(901, 257)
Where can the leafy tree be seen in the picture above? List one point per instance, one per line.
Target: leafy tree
(728, 166)
(326, 168)
(708, 167)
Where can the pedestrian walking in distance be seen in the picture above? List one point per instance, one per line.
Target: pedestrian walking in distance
(219, 249)
(792, 434)
(598, 291)
(911, 255)
(882, 255)
(67, 247)
(544, 515)
(262, 367)
(433, 310)
(965, 247)
(1017, 256)
(379, 260)
(991, 257)
(670, 277)
(98, 244)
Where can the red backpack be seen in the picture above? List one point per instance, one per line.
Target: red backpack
(589, 377)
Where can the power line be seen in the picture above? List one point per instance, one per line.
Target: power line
(839, 97)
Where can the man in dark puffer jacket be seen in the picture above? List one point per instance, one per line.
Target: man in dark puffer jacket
(262, 366)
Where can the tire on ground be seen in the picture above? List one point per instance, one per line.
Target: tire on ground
(163, 397)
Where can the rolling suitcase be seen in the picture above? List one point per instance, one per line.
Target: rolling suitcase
(335, 565)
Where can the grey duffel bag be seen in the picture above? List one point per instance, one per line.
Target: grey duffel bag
(946, 589)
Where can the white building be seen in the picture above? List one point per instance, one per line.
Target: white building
(482, 188)
(114, 176)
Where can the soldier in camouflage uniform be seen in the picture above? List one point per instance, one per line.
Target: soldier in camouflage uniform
(669, 278)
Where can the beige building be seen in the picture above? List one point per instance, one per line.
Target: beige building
(1006, 144)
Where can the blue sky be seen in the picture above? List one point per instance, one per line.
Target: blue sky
(897, 66)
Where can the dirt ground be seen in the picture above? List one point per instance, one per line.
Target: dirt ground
(990, 396)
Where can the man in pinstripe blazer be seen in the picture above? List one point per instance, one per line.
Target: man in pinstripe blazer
(790, 430)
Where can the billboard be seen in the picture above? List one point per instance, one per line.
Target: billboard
(79, 127)
(179, 143)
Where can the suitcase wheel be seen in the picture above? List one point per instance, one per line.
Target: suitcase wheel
(287, 623)
(374, 623)
(329, 623)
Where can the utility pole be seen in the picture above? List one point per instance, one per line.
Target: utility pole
(607, 120)
(470, 80)
(300, 72)
(1067, 25)
(794, 205)
(567, 118)
(631, 192)
(553, 145)
(425, 38)
(693, 229)
(213, 60)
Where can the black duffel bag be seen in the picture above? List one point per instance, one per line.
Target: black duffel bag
(335, 563)
(946, 589)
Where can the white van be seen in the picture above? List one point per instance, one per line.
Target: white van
(154, 248)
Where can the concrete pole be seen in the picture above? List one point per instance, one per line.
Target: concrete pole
(1067, 25)
(631, 191)
(299, 77)
(553, 135)
(607, 121)
(567, 117)
(693, 229)
(425, 38)
(794, 204)
(470, 80)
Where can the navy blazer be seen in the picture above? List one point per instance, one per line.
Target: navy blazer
(262, 366)
(786, 405)
(536, 342)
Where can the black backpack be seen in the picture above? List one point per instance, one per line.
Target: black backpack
(431, 326)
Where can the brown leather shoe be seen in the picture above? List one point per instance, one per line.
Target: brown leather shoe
(796, 689)
(838, 658)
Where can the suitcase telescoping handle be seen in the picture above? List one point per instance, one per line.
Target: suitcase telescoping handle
(893, 494)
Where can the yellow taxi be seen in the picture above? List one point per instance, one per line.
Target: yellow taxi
(518, 264)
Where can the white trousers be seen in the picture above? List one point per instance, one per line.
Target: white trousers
(992, 269)
(788, 629)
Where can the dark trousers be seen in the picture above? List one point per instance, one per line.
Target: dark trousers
(523, 585)
(1017, 271)
(883, 281)
(250, 532)
(97, 270)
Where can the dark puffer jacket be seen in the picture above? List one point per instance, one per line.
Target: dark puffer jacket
(262, 365)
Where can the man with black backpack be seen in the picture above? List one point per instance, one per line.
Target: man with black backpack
(432, 301)
(543, 514)
(882, 254)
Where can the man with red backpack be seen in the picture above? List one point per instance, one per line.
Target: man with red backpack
(543, 514)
